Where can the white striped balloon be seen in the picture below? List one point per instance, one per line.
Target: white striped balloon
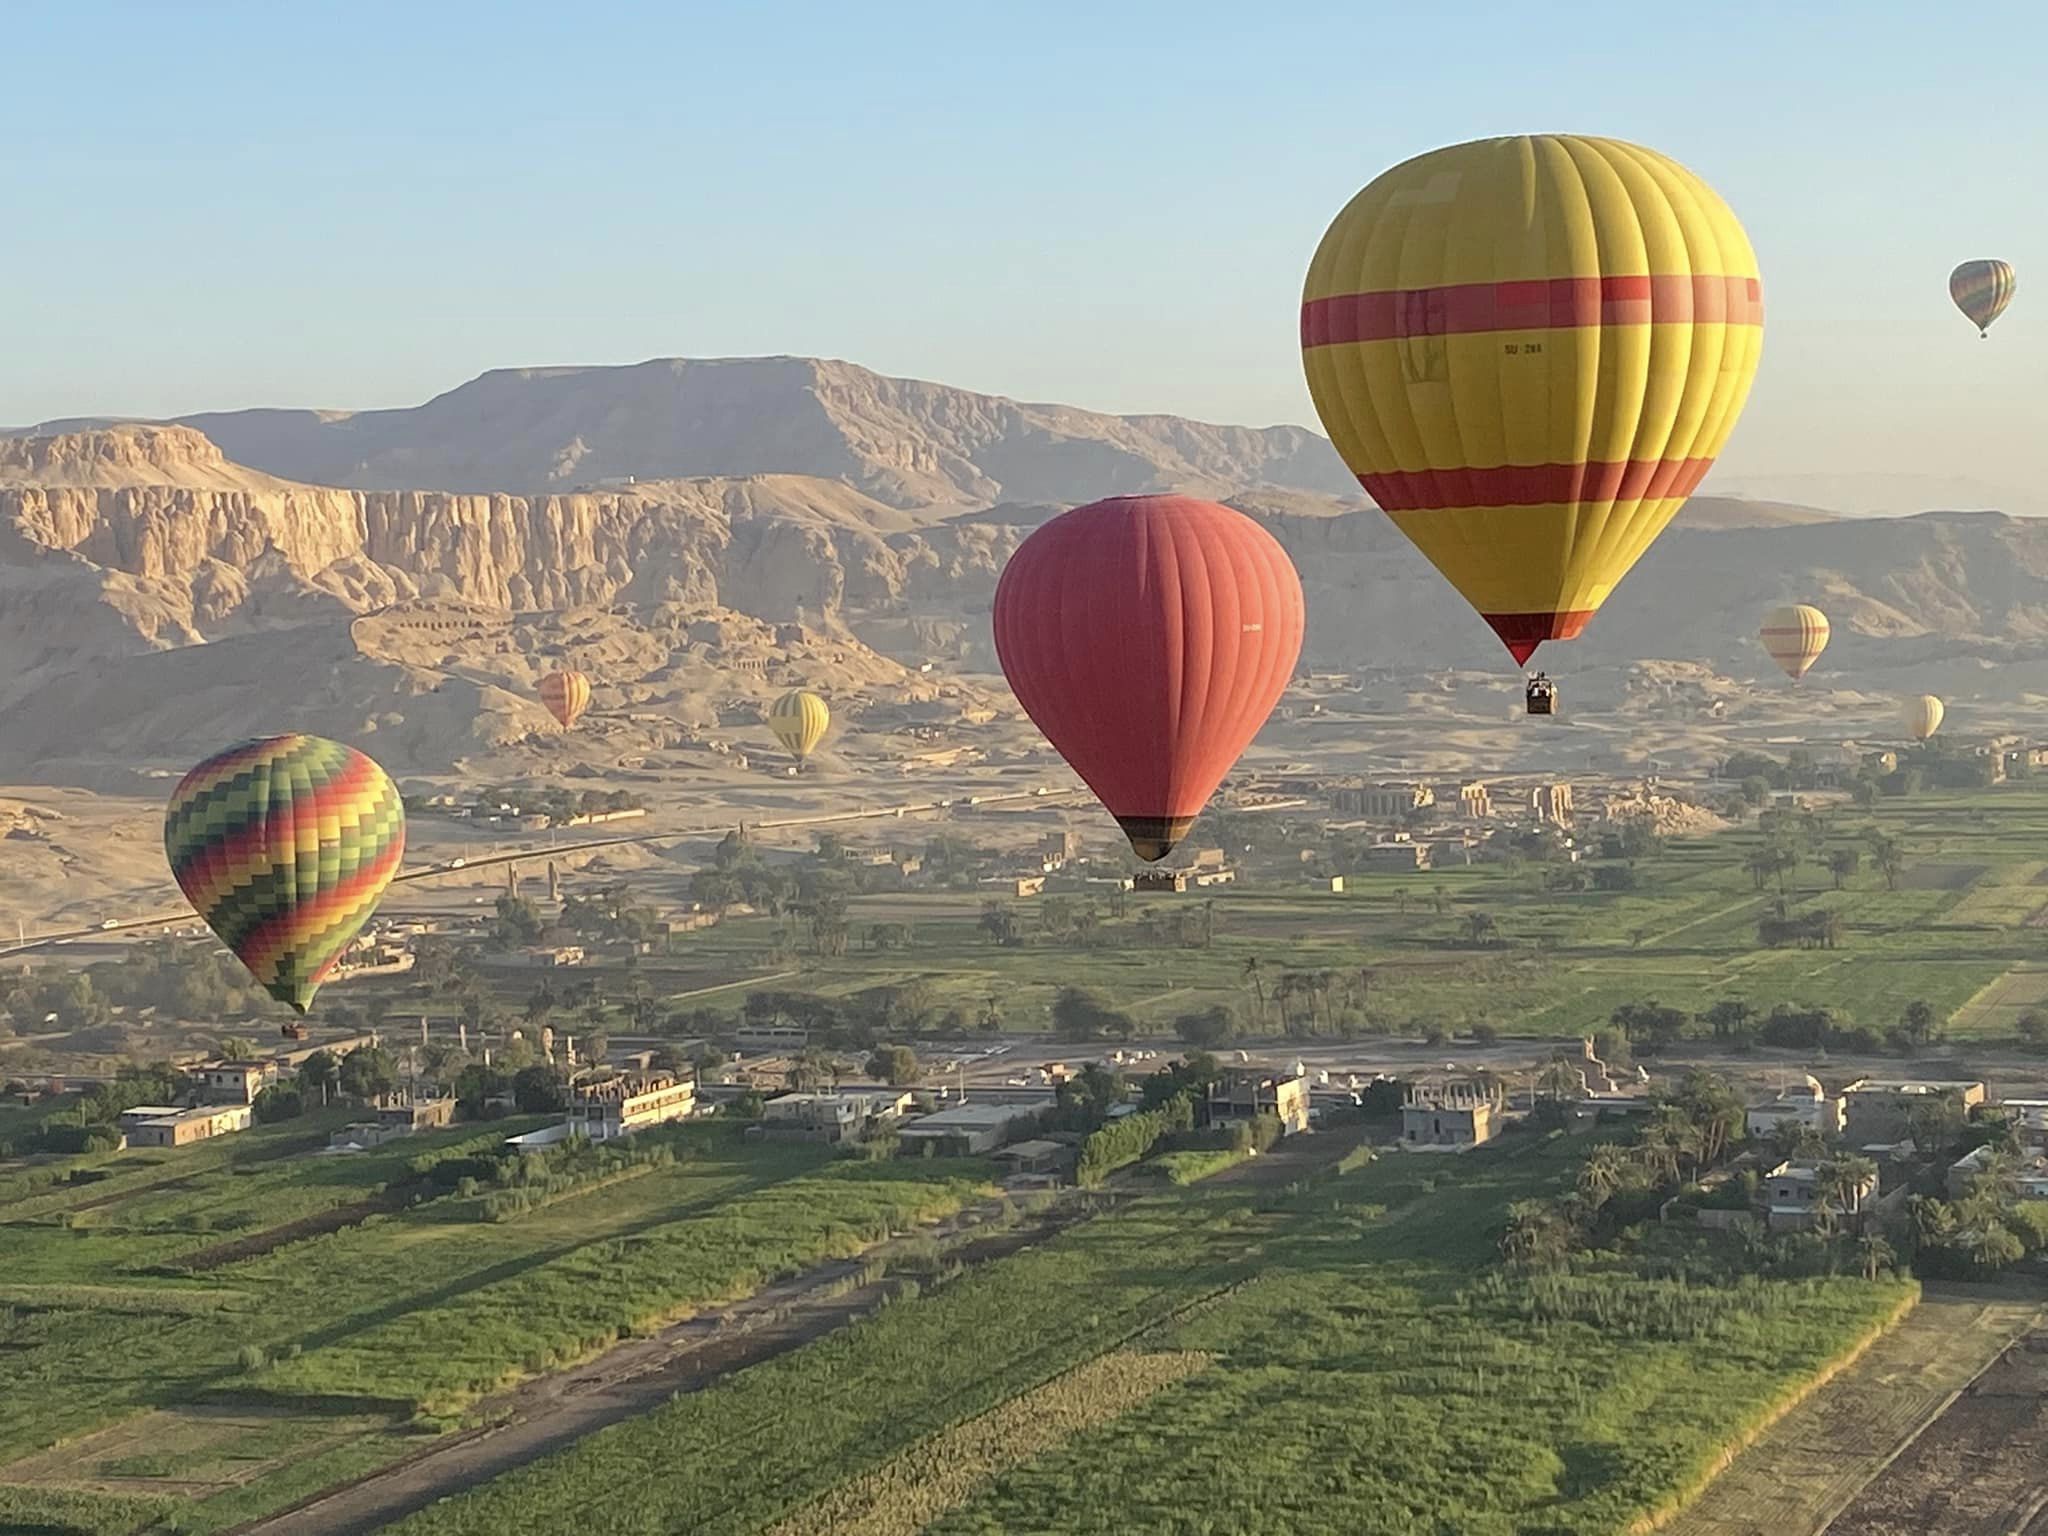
(1795, 635)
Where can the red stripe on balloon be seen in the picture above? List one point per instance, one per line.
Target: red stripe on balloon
(1535, 485)
(1554, 303)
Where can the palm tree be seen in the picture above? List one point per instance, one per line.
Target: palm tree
(1873, 1253)
(1886, 854)
(1840, 1181)
(1251, 969)
(1560, 1080)
(1481, 926)
(1603, 1172)
(1842, 863)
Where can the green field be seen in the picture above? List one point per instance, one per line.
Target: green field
(192, 1292)
(1364, 1367)
(1394, 953)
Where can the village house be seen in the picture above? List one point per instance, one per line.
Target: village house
(1876, 1110)
(1457, 1115)
(602, 1108)
(1244, 1094)
(830, 1117)
(1397, 856)
(1810, 1107)
(155, 1125)
(235, 1082)
(1794, 1197)
(968, 1130)
(2028, 1173)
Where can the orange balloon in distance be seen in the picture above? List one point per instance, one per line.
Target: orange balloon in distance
(566, 695)
(1149, 637)
(1529, 351)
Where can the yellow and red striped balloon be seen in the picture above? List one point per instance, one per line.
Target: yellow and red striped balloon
(1529, 350)
(284, 847)
(1981, 290)
(1795, 635)
(566, 695)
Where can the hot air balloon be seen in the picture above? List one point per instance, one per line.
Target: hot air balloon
(1922, 716)
(1981, 290)
(1795, 635)
(1149, 637)
(1529, 351)
(799, 721)
(566, 695)
(284, 846)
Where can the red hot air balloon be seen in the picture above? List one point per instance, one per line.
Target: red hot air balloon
(1149, 637)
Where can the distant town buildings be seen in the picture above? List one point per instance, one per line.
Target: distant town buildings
(1381, 802)
(1552, 803)
(1474, 802)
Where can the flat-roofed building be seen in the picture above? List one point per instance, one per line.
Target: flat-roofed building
(830, 1117)
(1450, 1114)
(1882, 1110)
(417, 1115)
(968, 1130)
(621, 1103)
(1244, 1094)
(235, 1082)
(1822, 1114)
(161, 1127)
(1795, 1197)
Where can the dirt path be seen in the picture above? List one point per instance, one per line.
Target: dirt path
(556, 1410)
(1981, 1469)
(1816, 1461)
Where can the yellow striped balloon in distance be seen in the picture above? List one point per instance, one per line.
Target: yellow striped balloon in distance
(1529, 351)
(566, 695)
(1795, 635)
(1981, 290)
(1922, 716)
(284, 847)
(799, 720)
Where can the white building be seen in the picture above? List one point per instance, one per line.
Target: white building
(622, 1103)
(1820, 1112)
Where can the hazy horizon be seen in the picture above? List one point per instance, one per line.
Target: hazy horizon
(941, 196)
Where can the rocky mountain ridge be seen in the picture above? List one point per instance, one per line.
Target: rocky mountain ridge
(905, 442)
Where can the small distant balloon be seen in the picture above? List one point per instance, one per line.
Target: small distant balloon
(566, 695)
(1982, 289)
(284, 846)
(1795, 635)
(1922, 716)
(799, 720)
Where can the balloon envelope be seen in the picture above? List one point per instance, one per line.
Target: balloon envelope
(566, 695)
(1149, 637)
(1529, 351)
(1795, 635)
(799, 720)
(1981, 290)
(284, 846)
(1922, 716)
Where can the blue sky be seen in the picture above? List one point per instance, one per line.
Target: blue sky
(357, 203)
